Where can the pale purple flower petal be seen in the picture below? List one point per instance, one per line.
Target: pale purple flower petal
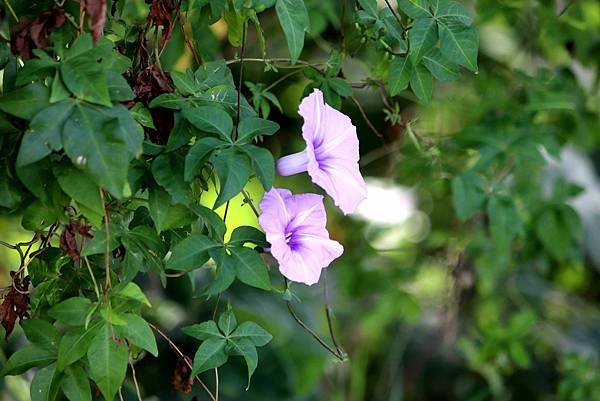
(295, 228)
(331, 154)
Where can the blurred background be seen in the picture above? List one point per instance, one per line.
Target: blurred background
(471, 271)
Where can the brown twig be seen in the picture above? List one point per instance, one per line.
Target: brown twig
(107, 239)
(135, 381)
(364, 116)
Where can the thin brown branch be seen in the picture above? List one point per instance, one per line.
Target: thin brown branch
(107, 239)
(135, 381)
(364, 116)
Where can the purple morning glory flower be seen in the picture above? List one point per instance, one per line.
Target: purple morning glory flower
(295, 228)
(331, 154)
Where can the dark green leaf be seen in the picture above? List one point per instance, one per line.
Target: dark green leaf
(74, 344)
(400, 71)
(76, 384)
(199, 154)
(45, 384)
(439, 66)
(165, 215)
(227, 322)
(41, 334)
(246, 348)
(421, 84)
(86, 80)
(252, 332)
(251, 127)
(138, 332)
(422, 37)
(294, 21)
(459, 43)
(72, 311)
(118, 88)
(191, 253)
(168, 169)
(263, 164)
(233, 170)
(210, 355)
(414, 8)
(25, 102)
(108, 362)
(26, 358)
(83, 191)
(203, 331)
(251, 268)
(243, 234)
(468, 194)
(210, 119)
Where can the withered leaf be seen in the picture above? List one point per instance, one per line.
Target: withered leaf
(182, 375)
(15, 303)
(27, 34)
(96, 9)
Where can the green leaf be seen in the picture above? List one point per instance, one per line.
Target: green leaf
(210, 119)
(35, 70)
(198, 155)
(26, 358)
(75, 343)
(468, 194)
(439, 66)
(98, 244)
(58, 90)
(246, 348)
(554, 233)
(118, 88)
(370, 6)
(233, 170)
(504, 221)
(445, 9)
(133, 291)
(41, 333)
(127, 130)
(251, 268)
(225, 274)
(138, 332)
(210, 355)
(421, 38)
(185, 82)
(253, 332)
(167, 100)
(76, 384)
(83, 191)
(142, 115)
(400, 71)
(227, 322)
(235, 27)
(414, 8)
(45, 384)
(459, 43)
(168, 170)
(92, 146)
(191, 253)
(251, 127)
(294, 21)
(209, 219)
(165, 215)
(38, 216)
(263, 164)
(108, 362)
(203, 331)
(85, 79)
(421, 84)
(25, 102)
(243, 234)
(72, 311)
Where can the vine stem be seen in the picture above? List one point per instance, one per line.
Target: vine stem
(134, 376)
(107, 239)
(87, 263)
(182, 356)
(341, 357)
(240, 79)
(12, 11)
(328, 314)
(301, 63)
(280, 80)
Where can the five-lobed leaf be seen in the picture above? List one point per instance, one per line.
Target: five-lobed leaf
(210, 354)
(233, 169)
(203, 331)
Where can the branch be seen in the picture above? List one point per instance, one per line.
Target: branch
(107, 238)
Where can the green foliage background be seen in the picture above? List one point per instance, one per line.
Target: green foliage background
(487, 292)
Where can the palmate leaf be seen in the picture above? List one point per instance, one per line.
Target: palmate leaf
(199, 154)
(25, 102)
(165, 215)
(441, 68)
(210, 119)
(44, 133)
(251, 127)
(203, 331)
(253, 332)
(210, 354)
(422, 37)
(415, 8)
(90, 141)
(294, 21)
(400, 72)
(251, 269)
(168, 170)
(245, 348)
(86, 80)
(458, 43)
(227, 322)
(421, 84)
(263, 164)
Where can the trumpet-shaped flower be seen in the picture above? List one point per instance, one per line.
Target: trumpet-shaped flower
(295, 228)
(331, 154)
